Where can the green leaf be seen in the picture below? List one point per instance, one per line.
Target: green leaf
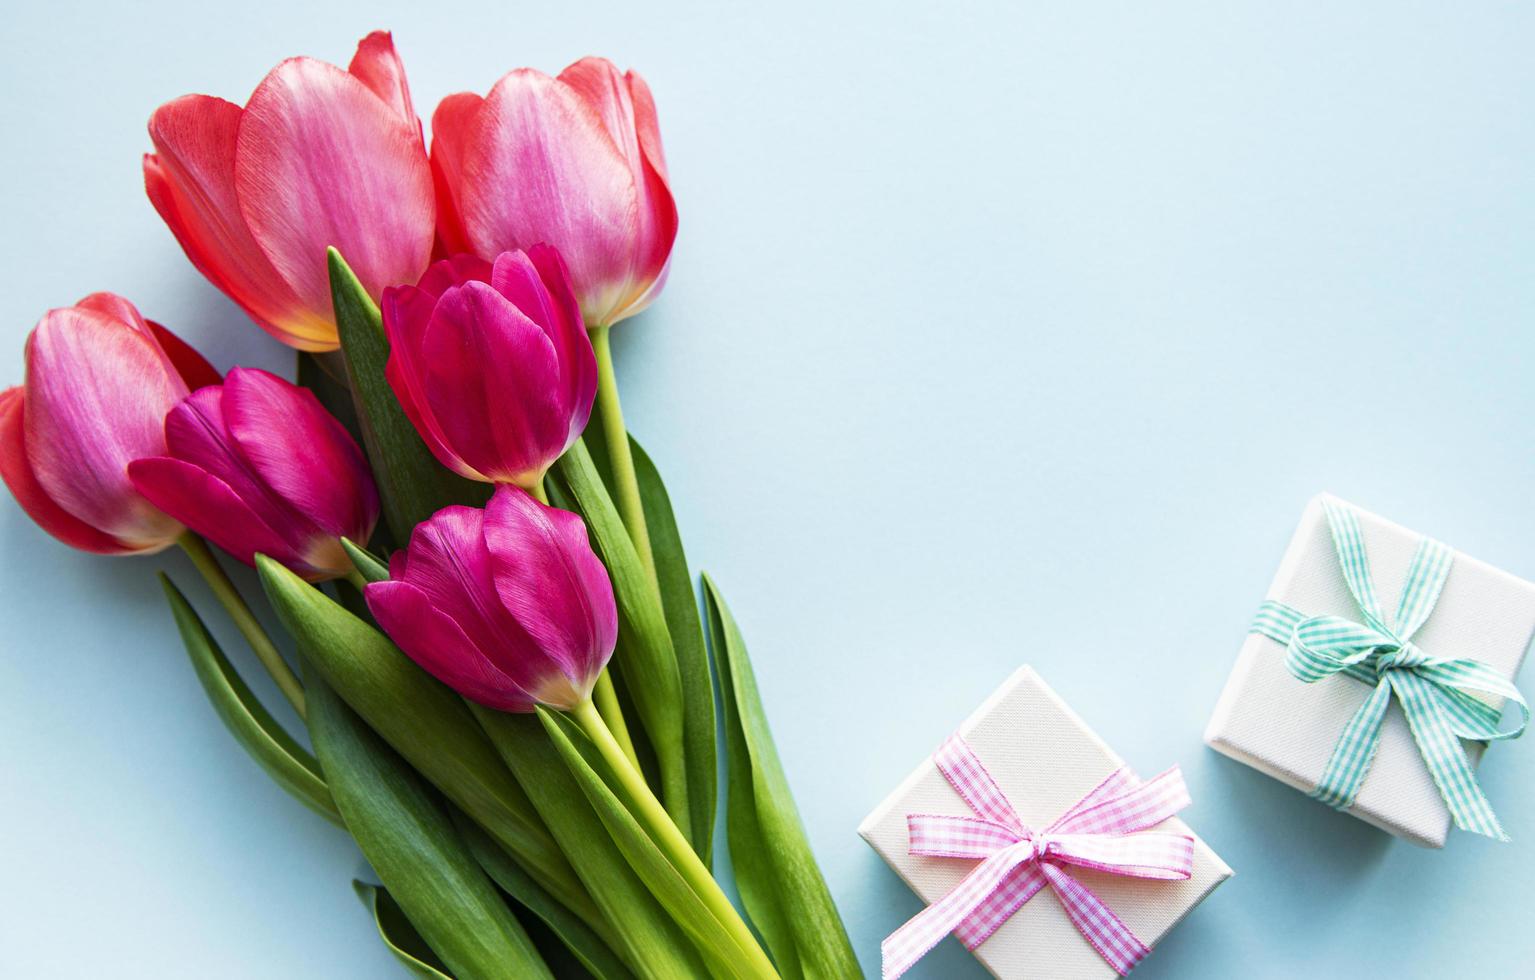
(588, 948)
(412, 845)
(425, 722)
(648, 664)
(680, 603)
(287, 762)
(656, 946)
(398, 934)
(411, 483)
(775, 870)
(370, 566)
(614, 806)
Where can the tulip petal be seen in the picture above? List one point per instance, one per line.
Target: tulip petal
(658, 209)
(377, 65)
(197, 432)
(210, 507)
(96, 395)
(538, 166)
(450, 565)
(435, 642)
(301, 452)
(628, 114)
(190, 180)
(18, 475)
(407, 313)
(321, 161)
(451, 124)
(453, 271)
(477, 348)
(578, 362)
(187, 361)
(549, 579)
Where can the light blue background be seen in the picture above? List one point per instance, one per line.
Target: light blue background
(996, 334)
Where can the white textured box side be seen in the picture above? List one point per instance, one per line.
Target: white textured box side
(1045, 759)
(1269, 720)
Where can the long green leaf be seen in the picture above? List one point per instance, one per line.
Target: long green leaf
(649, 662)
(411, 483)
(680, 602)
(412, 845)
(398, 934)
(592, 952)
(425, 722)
(287, 762)
(615, 808)
(775, 870)
(656, 945)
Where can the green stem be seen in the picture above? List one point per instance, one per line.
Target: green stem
(630, 507)
(604, 692)
(245, 620)
(606, 697)
(355, 577)
(669, 839)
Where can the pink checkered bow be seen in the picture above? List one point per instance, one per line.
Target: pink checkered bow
(1103, 831)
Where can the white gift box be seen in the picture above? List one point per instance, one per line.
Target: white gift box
(1044, 759)
(1272, 721)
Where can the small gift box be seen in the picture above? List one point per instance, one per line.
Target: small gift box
(1376, 671)
(1037, 847)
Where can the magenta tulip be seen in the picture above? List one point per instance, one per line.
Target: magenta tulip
(506, 605)
(492, 364)
(257, 465)
(317, 157)
(99, 381)
(574, 161)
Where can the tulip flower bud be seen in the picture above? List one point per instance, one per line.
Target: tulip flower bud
(317, 157)
(257, 465)
(574, 161)
(99, 381)
(492, 364)
(506, 605)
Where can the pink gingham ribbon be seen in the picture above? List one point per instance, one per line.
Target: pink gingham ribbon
(1103, 831)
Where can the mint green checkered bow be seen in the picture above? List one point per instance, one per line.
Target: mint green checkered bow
(1434, 693)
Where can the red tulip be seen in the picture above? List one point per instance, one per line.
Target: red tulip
(492, 364)
(99, 381)
(318, 157)
(574, 161)
(506, 605)
(257, 465)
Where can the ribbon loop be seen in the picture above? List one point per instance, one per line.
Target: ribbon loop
(1435, 694)
(1102, 831)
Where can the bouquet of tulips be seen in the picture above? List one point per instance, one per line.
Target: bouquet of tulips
(507, 683)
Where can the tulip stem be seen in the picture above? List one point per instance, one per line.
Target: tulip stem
(356, 578)
(652, 815)
(245, 621)
(630, 507)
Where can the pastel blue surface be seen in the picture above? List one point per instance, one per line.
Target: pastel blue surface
(996, 334)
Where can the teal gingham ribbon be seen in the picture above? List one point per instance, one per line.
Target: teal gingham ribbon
(1434, 692)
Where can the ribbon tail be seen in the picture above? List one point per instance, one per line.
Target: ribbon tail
(903, 948)
(1354, 752)
(1445, 756)
(1107, 933)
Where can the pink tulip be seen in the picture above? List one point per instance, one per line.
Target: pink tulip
(99, 381)
(257, 465)
(506, 605)
(492, 364)
(318, 157)
(574, 161)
